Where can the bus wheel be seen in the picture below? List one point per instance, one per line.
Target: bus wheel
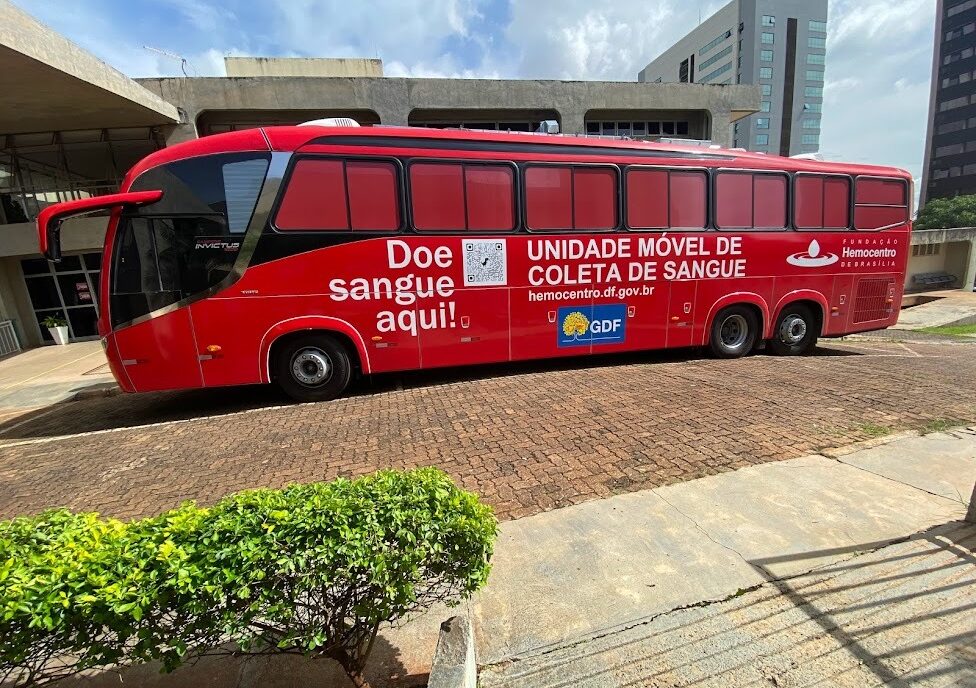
(734, 332)
(796, 331)
(313, 368)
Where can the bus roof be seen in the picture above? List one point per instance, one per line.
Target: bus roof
(519, 144)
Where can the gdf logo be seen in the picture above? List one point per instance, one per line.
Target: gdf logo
(584, 325)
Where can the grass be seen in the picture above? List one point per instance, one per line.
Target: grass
(952, 330)
(872, 430)
(938, 425)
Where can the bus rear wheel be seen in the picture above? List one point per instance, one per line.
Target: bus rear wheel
(314, 367)
(734, 332)
(795, 332)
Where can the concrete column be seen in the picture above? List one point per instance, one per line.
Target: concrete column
(969, 277)
(572, 121)
(393, 116)
(971, 514)
(180, 132)
(721, 132)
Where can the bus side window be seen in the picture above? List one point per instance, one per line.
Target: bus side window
(580, 197)
(880, 203)
(457, 197)
(746, 200)
(327, 194)
(821, 202)
(659, 198)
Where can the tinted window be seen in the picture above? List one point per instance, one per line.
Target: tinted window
(687, 203)
(821, 202)
(750, 201)
(582, 198)
(880, 203)
(437, 196)
(189, 240)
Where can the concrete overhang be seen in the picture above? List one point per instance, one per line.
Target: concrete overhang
(50, 84)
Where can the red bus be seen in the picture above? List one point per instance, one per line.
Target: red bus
(306, 255)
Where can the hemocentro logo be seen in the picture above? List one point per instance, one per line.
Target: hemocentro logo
(582, 325)
(812, 258)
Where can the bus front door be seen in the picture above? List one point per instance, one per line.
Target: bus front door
(160, 353)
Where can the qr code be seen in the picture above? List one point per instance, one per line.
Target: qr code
(484, 263)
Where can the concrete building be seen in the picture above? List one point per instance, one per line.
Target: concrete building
(950, 146)
(779, 45)
(71, 126)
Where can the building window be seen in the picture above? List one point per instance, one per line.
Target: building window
(765, 55)
(954, 103)
(767, 89)
(711, 75)
(762, 139)
(713, 59)
(950, 127)
(816, 58)
(813, 107)
(765, 106)
(816, 42)
(818, 26)
(768, 20)
(811, 124)
(765, 72)
(810, 139)
(814, 75)
(960, 8)
(813, 91)
(767, 38)
(762, 123)
(951, 149)
(711, 44)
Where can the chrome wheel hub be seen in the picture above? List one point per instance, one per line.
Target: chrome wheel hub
(311, 367)
(792, 330)
(734, 331)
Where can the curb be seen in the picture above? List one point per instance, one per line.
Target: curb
(455, 663)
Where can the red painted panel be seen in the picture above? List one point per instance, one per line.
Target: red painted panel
(315, 197)
(470, 327)
(491, 197)
(688, 199)
(733, 200)
(868, 217)
(437, 196)
(837, 200)
(769, 201)
(881, 191)
(549, 197)
(160, 353)
(374, 199)
(681, 313)
(595, 198)
(808, 202)
(647, 199)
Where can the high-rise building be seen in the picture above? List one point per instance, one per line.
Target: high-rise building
(779, 45)
(950, 147)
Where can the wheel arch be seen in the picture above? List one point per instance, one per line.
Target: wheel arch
(743, 298)
(286, 329)
(807, 297)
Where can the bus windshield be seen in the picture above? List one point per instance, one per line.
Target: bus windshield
(188, 241)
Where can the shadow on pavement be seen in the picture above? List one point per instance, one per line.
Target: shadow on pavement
(131, 410)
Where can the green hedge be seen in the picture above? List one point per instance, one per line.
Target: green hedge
(312, 569)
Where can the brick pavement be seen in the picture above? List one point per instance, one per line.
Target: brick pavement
(526, 437)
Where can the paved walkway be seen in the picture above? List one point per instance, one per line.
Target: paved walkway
(40, 377)
(788, 574)
(527, 438)
(951, 306)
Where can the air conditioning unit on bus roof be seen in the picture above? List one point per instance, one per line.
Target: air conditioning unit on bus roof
(331, 122)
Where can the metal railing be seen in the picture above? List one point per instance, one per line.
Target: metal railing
(8, 338)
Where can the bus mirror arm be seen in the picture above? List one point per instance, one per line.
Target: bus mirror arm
(50, 219)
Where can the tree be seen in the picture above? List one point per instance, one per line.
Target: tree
(945, 213)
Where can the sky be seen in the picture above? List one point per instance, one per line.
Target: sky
(879, 52)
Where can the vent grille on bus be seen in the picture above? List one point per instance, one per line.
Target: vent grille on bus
(871, 302)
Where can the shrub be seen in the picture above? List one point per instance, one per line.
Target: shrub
(945, 213)
(313, 569)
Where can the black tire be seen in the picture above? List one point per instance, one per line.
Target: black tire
(734, 332)
(315, 367)
(796, 331)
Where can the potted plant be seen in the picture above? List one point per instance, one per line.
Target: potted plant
(58, 327)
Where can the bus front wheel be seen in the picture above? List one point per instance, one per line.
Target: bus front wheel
(314, 367)
(795, 332)
(734, 332)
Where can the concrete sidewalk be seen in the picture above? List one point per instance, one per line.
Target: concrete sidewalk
(49, 374)
(951, 307)
(643, 588)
